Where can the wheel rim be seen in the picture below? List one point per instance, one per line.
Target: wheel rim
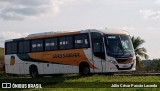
(34, 73)
(86, 70)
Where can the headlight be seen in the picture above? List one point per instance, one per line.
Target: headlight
(114, 62)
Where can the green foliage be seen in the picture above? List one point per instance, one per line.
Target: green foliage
(1, 53)
(94, 78)
(154, 66)
(139, 65)
(139, 52)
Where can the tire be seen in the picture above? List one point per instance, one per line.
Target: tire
(34, 72)
(84, 70)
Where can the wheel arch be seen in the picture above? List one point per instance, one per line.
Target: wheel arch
(32, 66)
(82, 64)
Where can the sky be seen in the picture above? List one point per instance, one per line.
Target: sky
(140, 18)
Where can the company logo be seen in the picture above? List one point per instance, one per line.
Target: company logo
(66, 55)
(6, 85)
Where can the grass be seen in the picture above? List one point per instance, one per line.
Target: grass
(96, 79)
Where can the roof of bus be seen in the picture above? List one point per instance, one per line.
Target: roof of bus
(114, 31)
(51, 34)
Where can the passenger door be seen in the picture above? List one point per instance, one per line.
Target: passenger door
(98, 53)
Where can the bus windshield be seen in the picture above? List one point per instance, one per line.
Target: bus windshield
(119, 45)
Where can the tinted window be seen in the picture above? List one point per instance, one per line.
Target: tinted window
(81, 41)
(98, 45)
(34, 46)
(21, 47)
(26, 46)
(54, 45)
(8, 48)
(69, 42)
(51, 44)
(62, 42)
(47, 44)
(11, 48)
(37, 45)
(14, 47)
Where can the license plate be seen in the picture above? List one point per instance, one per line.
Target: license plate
(125, 66)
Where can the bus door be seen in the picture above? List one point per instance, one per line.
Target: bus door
(98, 52)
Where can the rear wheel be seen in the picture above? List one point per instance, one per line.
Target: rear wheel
(34, 72)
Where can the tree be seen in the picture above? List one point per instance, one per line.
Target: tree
(140, 52)
(153, 65)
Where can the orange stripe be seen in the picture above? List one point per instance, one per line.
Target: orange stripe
(70, 57)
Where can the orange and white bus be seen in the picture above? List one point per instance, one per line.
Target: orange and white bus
(83, 52)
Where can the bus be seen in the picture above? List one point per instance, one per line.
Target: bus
(84, 52)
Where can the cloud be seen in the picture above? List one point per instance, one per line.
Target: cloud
(22, 9)
(150, 28)
(58, 4)
(127, 28)
(157, 2)
(11, 35)
(150, 14)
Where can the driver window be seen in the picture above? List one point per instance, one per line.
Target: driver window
(98, 45)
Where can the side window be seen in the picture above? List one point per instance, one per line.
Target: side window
(62, 42)
(14, 47)
(37, 45)
(34, 46)
(69, 42)
(11, 48)
(47, 44)
(98, 45)
(51, 44)
(26, 46)
(81, 41)
(8, 48)
(21, 47)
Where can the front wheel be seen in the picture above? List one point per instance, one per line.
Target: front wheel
(84, 70)
(34, 72)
